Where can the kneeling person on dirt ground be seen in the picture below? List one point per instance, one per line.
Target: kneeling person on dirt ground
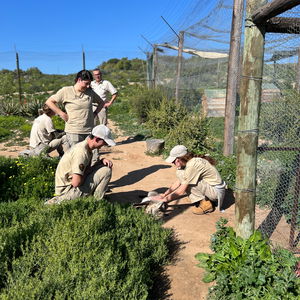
(197, 177)
(44, 138)
(76, 177)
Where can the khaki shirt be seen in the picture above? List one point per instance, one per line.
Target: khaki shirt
(102, 88)
(41, 131)
(198, 169)
(74, 161)
(79, 108)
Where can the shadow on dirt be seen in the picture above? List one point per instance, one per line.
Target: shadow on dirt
(136, 175)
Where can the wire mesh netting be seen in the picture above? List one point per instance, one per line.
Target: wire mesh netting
(204, 75)
(278, 168)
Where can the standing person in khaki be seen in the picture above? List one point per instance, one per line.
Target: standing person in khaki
(76, 177)
(102, 88)
(197, 177)
(78, 101)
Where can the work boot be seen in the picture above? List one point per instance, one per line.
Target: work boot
(204, 207)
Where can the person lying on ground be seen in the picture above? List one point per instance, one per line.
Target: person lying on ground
(197, 177)
(76, 176)
(44, 138)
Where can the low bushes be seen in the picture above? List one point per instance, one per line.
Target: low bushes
(26, 178)
(248, 269)
(82, 249)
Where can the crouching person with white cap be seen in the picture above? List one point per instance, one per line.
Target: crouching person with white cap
(197, 177)
(76, 177)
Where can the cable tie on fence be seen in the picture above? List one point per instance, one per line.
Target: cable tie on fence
(245, 190)
(249, 130)
(252, 77)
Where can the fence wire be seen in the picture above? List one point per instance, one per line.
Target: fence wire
(278, 167)
(278, 164)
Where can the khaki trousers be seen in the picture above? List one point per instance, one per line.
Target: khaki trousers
(200, 191)
(102, 116)
(95, 184)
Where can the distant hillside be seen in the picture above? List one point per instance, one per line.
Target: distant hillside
(120, 71)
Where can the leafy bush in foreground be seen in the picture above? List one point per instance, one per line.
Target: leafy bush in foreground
(82, 249)
(248, 269)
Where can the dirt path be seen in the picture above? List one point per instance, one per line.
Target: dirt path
(134, 174)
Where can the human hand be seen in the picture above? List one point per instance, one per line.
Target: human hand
(158, 198)
(107, 104)
(107, 162)
(64, 116)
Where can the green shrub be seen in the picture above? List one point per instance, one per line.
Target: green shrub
(4, 133)
(31, 108)
(142, 101)
(26, 129)
(26, 178)
(165, 117)
(248, 269)
(82, 249)
(226, 165)
(58, 123)
(191, 131)
(11, 122)
(9, 107)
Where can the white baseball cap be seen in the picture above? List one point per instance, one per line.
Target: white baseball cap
(104, 133)
(177, 151)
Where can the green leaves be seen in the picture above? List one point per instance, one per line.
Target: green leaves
(245, 269)
(81, 249)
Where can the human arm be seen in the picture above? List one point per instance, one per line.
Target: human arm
(113, 98)
(77, 180)
(174, 192)
(99, 102)
(52, 104)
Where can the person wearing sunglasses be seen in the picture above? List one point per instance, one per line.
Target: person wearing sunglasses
(78, 103)
(76, 176)
(197, 177)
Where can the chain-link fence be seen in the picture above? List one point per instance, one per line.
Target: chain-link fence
(278, 166)
(203, 83)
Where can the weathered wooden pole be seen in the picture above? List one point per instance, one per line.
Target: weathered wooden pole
(83, 60)
(179, 64)
(154, 66)
(19, 78)
(233, 75)
(250, 93)
(149, 70)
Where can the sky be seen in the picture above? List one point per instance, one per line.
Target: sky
(51, 35)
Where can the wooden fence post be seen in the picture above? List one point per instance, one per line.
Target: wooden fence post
(19, 78)
(179, 64)
(233, 75)
(250, 93)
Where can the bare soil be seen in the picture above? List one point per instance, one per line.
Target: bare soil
(134, 174)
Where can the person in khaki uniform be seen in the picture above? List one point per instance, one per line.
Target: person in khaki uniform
(197, 177)
(44, 138)
(76, 176)
(78, 102)
(102, 88)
